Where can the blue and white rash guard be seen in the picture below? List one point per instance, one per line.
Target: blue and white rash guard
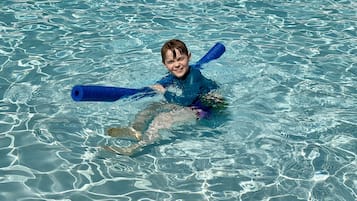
(188, 90)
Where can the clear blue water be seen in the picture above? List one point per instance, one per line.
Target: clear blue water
(289, 74)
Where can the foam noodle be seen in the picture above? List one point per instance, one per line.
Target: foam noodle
(214, 53)
(105, 93)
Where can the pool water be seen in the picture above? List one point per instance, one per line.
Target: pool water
(288, 73)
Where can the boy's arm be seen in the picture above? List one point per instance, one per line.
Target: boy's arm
(161, 85)
(159, 88)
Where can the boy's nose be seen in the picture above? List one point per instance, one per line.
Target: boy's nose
(177, 64)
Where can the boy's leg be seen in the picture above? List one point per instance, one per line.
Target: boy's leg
(143, 118)
(125, 132)
(167, 120)
(139, 125)
(163, 120)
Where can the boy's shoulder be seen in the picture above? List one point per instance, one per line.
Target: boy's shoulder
(166, 80)
(195, 71)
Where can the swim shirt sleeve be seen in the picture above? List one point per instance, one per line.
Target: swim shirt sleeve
(166, 81)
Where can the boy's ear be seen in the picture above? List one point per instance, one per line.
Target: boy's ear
(189, 55)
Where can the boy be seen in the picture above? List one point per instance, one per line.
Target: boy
(188, 97)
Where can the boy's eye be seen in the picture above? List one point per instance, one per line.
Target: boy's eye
(173, 60)
(181, 58)
(169, 62)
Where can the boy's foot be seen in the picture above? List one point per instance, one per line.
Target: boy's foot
(126, 132)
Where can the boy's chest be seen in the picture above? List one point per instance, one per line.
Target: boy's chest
(177, 87)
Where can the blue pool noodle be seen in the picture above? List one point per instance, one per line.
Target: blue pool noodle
(105, 93)
(110, 94)
(214, 53)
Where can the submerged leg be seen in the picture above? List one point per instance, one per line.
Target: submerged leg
(141, 122)
(143, 118)
(166, 120)
(125, 132)
(159, 120)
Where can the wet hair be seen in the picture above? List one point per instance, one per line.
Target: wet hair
(172, 45)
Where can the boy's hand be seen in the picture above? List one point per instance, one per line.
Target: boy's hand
(159, 88)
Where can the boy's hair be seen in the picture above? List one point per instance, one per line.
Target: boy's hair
(172, 45)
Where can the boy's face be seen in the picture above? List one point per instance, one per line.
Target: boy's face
(177, 64)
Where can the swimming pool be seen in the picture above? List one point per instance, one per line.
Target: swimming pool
(289, 74)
